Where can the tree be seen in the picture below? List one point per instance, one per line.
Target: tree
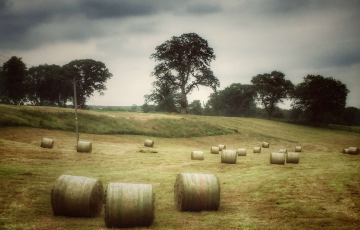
(90, 75)
(185, 64)
(238, 100)
(271, 89)
(351, 116)
(13, 79)
(320, 95)
(164, 95)
(213, 105)
(195, 107)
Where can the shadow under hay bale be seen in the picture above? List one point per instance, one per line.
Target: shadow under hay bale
(298, 149)
(229, 156)
(222, 147)
(196, 192)
(215, 150)
(77, 196)
(197, 155)
(265, 145)
(257, 150)
(353, 150)
(292, 158)
(84, 147)
(277, 158)
(149, 143)
(147, 151)
(129, 205)
(241, 152)
(47, 143)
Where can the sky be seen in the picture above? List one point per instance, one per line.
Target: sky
(249, 37)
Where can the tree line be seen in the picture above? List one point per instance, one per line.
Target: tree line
(184, 64)
(51, 85)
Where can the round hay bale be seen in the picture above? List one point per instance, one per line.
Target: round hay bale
(77, 196)
(215, 150)
(265, 145)
(222, 147)
(196, 192)
(345, 150)
(84, 147)
(284, 151)
(149, 143)
(229, 156)
(353, 150)
(292, 157)
(241, 152)
(129, 205)
(277, 158)
(197, 155)
(257, 150)
(47, 143)
(298, 149)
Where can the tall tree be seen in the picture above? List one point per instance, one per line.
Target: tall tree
(271, 89)
(185, 63)
(13, 79)
(320, 95)
(164, 95)
(238, 100)
(213, 105)
(90, 75)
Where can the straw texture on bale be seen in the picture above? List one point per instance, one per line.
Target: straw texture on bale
(47, 143)
(292, 157)
(265, 145)
(345, 150)
(84, 147)
(222, 147)
(77, 196)
(229, 156)
(298, 149)
(129, 205)
(241, 152)
(197, 155)
(277, 158)
(215, 150)
(353, 150)
(257, 150)
(149, 143)
(196, 192)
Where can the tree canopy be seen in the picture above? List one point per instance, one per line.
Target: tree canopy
(185, 64)
(271, 88)
(90, 75)
(319, 95)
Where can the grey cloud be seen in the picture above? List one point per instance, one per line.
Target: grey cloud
(203, 8)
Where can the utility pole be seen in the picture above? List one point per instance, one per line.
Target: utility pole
(76, 117)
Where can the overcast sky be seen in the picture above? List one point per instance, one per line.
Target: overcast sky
(249, 37)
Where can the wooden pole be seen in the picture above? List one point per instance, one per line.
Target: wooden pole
(76, 117)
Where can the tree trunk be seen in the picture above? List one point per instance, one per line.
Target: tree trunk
(183, 102)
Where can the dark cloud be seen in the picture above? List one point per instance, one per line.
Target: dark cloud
(203, 8)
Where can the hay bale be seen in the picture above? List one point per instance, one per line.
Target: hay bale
(197, 155)
(298, 149)
(196, 192)
(229, 156)
(47, 143)
(84, 147)
(215, 150)
(292, 157)
(284, 151)
(353, 150)
(257, 150)
(265, 145)
(345, 151)
(222, 147)
(129, 205)
(149, 143)
(77, 196)
(277, 158)
(241, 152)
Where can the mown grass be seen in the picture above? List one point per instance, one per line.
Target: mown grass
(103, 124)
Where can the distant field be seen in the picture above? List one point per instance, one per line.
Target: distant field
(321, 192)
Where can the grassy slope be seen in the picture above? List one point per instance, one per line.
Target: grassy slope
(321, 192)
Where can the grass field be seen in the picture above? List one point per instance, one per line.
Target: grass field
(321, 192)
